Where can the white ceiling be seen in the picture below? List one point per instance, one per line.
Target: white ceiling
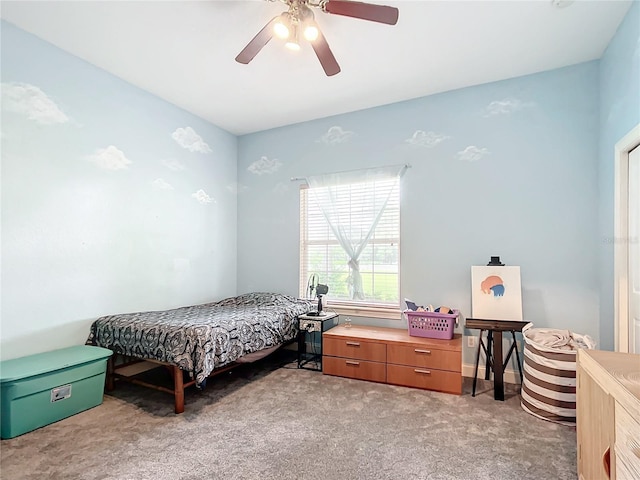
(183, 51)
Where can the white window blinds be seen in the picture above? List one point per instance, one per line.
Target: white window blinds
(350, 236)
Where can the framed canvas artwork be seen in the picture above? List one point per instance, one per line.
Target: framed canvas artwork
(496, 293)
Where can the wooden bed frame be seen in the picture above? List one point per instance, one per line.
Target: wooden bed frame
(130, 367)
(118, 372)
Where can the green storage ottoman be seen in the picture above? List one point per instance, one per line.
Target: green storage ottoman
(40, 389)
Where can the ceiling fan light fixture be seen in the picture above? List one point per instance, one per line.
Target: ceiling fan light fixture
(281, 28)
(311, 32)
(292, 42)
(299, 19)
(306, 18)
(292, 45)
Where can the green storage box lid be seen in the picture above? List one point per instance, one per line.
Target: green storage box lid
(32, 365)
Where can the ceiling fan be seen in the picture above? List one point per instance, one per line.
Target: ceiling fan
(299, 20)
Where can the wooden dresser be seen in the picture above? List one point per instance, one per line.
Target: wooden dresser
(608, 415)
(390, 355)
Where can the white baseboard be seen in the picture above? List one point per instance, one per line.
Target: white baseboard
(510, 376)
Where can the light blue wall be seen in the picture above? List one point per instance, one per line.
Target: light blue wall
(507, 168)
(619, 113)
(520, 168)
(100, 205)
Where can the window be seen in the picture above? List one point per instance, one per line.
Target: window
(350, 238)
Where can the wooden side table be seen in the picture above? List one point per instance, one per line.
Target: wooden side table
(495, 359)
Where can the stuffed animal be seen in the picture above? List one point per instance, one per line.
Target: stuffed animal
(444, 310)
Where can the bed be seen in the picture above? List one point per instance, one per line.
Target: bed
(199, 340)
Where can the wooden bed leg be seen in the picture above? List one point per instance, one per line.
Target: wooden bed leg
(178, 389)
(110, 384)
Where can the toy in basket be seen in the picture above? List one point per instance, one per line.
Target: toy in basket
(432, 324)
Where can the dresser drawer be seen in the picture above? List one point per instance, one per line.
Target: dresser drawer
(431, 379)
(358, 349)
(627, 443)
(424, 357)
(359, 369)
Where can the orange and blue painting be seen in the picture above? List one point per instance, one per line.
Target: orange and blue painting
(493, 284)
(496, 292)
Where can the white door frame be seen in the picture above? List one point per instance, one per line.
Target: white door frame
(621, 236)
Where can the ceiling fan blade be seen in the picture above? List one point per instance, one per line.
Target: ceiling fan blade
(257, 43)
(325, 55)
(364, 11)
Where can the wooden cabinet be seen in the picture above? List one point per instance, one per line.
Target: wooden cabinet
(359, 369)
(593, 402)
(354, 357)
(627, 444)
(608, 415)
(354, 348)
(390, 355)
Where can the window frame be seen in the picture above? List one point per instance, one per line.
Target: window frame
(341, 306)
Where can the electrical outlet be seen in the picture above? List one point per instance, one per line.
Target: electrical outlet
(471, 341)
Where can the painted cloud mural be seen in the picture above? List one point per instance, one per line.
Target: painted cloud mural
(426, 139)
(202, 197)
(506, 106)
(173, 164)
(161, 184)
(281, 188)
(335, 135)
(264, 165)
(189, 139)
(236, 188)
(28, 100)
(472, 153)
(110, 158)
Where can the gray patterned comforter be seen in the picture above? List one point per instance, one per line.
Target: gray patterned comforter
(201, 338)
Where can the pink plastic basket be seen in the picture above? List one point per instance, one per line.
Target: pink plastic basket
(431, 324)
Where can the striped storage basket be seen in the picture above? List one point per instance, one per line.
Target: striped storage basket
(549, 385)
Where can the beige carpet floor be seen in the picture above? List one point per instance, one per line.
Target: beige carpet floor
(272, 421)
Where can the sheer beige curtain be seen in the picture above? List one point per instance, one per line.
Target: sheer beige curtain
(353, 202)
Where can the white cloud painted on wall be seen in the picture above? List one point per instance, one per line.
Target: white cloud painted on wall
(506, 107)
(110, 158)
(161, 184)
(426, 139)
(472, 153)
(237, 188)
(264, 165)
(335, 135)
(202, 197)
(173, 164)
(28, 100)
(280, 188)
(189, 139)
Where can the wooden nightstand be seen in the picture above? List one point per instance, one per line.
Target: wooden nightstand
(391, 355)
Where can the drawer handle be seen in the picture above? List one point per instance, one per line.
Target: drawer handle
(418, 370)
(351, 362)
(353, 344)
(418, 350)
